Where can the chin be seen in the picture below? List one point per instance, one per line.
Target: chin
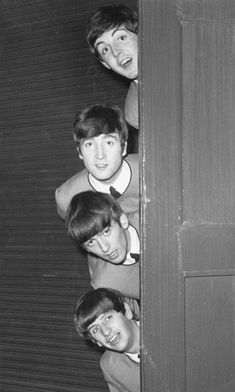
(102, 177)
(133, 76)
(117, 261)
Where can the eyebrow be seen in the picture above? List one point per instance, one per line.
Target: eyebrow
(106, 135)
(114, 32)
(114, 135)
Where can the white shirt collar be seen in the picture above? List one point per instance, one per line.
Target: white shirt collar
(120, 183)
(135, 245)
(134, 357)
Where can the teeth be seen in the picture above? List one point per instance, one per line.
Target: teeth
(114, 337)
(124, 62)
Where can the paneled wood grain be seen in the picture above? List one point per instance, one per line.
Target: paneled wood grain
(188, 193)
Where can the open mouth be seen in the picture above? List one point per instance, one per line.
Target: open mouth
(101, 166)
(114, 339)
(126, 62)
(113, 255)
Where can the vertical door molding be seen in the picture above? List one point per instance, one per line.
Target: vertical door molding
(160, 140)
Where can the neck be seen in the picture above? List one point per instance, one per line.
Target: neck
(135, 346)
(128, 237)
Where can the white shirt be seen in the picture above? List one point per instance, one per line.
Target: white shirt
(135, 245)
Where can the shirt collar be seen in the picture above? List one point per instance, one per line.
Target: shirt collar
(134, 357)
(120, 183)
(135, 245)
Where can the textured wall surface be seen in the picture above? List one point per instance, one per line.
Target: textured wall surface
(46, 75)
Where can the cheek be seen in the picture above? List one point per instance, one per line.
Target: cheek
(86, 159)
(123, 242)
(134, 47)
(117, 157)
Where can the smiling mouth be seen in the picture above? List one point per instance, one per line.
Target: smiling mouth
(114, 339)
(113, 255)
(101, 166)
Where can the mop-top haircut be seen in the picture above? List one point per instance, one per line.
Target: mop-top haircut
(98, 119)
(107, 18)
(89, 213)
(94, 303)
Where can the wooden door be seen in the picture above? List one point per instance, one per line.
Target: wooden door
(188, 195)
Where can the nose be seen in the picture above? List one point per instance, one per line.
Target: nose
(105, 330)
(116, 50)
(100, 152)
(103, 244)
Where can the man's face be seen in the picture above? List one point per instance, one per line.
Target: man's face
(113, 330)
(102, 156)
(111, 244)
(118, 50)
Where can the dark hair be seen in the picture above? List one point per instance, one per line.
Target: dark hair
(94, 303)
(89, 213)
(107, 18)
(99, 119)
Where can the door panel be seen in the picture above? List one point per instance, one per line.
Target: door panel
(208, 188)
(209, 333)
(187, 94)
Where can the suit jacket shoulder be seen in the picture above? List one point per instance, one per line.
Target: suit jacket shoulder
(131, 110)
(79, 183)
(121, 373)
(65, 192)
(124, 278)
(133, 160)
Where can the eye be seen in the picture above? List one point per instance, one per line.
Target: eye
(89, 243)
(94, 330)
(108, 317)
(122, 37)
(105, 51)
(107, 230)
(88, 144)
(111, 141)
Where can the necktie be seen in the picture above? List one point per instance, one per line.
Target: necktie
(114, 193)
(135, 256)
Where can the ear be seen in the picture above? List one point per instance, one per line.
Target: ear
(79, 153)
(124, 149)
(105, 64)
(128, 312)
(124, 222)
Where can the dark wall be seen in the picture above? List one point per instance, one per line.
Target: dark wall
(46, 75)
